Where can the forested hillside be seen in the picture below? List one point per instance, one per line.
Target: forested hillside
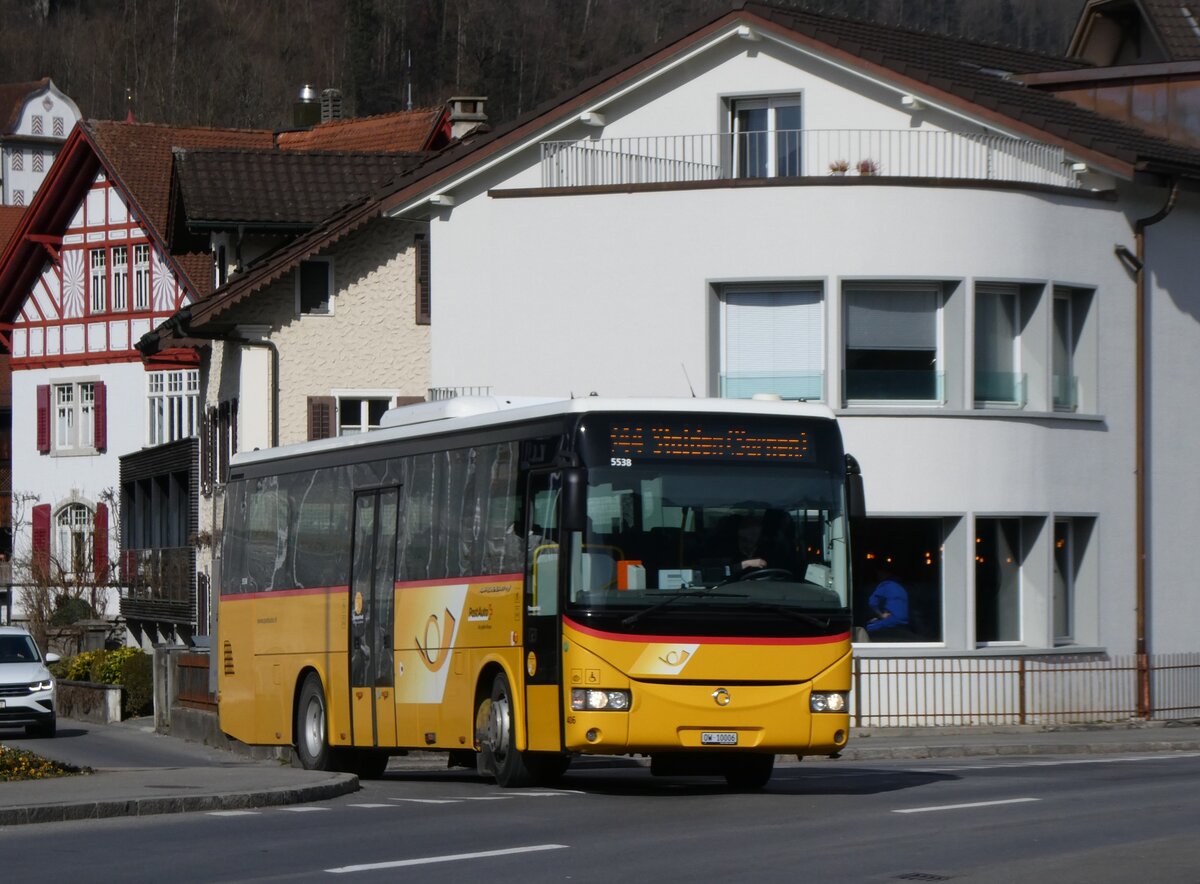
(241, 62)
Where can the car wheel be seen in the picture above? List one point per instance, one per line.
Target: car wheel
(46, 729)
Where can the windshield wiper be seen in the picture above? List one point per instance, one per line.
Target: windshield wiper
(821, 623)
(694, 593)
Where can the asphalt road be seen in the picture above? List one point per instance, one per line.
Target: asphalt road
(1094, 819)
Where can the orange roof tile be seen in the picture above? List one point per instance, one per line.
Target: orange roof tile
(402, 131)
(10, 217)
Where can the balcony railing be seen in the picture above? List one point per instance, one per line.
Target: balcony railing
(159, 584)
(906, 153)
(894, 385)
(1002, 387)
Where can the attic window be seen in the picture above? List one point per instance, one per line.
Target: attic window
(314, 287)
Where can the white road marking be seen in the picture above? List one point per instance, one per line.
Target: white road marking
(233, 813)
(1059, 763)
(428, 800)
(370, 805)
(455, 857)
(966, 806)
(304, 809)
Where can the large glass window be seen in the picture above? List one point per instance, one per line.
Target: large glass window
(998, 559)
(74, 416)
(73, 526)
(1064, 580)
(997, 346)
(172, 405)
(141, 277)
(772, 341)
(892, 343)
(898, 580)
(120, 278)
(99, 280)
(766, 137)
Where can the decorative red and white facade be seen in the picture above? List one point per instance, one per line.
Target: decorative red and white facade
(83, 279)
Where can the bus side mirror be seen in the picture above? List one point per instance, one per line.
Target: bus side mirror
(856, 497)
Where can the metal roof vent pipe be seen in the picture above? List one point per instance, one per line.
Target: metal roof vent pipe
(466, 113)
(331, 105)
(306, 110)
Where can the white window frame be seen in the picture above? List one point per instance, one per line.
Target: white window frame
(141, 276)
(849, 287)
(73, 416)
(388, 396)
(120, 279)
(801, 288)
(771, 104)
(1014, 293)
(328, 262)
(74, 524)
(172, 405)
(98, 278)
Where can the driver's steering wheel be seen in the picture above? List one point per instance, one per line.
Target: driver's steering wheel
(767, 574)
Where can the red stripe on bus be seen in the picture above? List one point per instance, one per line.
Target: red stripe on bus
(711, 639)
(276, 593)
(456, 581)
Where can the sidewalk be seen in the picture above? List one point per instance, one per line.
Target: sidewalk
(175, 776)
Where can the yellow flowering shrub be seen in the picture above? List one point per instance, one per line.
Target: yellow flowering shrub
(17, 764)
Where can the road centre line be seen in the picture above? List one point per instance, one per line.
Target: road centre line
(455, 857)
(1059, 763)
(304, 809)
(973, 804)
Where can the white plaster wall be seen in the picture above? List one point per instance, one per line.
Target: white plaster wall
(1174, 413)
(615, 293)
(55, 479)
(370, 342)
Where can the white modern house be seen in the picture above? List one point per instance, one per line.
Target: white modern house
(987, 282)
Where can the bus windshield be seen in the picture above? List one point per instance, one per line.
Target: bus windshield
(736, 537)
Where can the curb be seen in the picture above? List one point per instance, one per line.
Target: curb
(917, 753)
(338, 784)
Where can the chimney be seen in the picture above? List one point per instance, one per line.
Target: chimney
(306, 111)
(466, 112)
(331, 105)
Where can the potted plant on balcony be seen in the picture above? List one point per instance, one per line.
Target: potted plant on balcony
(839, 167)
(867, 167)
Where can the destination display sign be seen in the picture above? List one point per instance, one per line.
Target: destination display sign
(659, 439)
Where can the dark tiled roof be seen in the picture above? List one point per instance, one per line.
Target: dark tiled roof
(978, 74)
(12, 98)
(400, 132)
(280, 187)
(1177, 26)
(10, 217)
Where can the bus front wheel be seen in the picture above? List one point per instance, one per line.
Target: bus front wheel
(312, 746)
(494, 731)
(749, 773)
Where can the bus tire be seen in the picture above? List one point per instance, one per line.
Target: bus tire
(370, 764)
(312, 743)
(749, 773)
(495, 733)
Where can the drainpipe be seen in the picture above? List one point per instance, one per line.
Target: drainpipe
(1143, 478)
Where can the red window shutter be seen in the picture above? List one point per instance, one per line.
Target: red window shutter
(100, 544)
(41, 541)
(43, 418)
(100, 413)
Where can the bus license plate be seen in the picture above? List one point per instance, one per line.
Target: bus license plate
(718, 738)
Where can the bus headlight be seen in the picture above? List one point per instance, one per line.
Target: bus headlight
(827, 701)
(593, 700)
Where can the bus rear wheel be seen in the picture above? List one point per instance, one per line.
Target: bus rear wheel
(312, 745)
(494, 731)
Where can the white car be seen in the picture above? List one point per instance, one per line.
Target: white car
(26, 685)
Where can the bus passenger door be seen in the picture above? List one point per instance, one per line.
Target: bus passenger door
(543, 656)
(372, 612)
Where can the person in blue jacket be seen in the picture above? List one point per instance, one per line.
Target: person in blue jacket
(888, 604)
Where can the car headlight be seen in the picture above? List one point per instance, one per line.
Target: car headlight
(827, 701)
(593, 699)
(44, 685)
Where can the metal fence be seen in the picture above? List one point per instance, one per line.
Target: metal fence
(909, 153)
(935, 691)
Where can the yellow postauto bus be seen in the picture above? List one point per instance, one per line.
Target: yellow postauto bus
(518, 582)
